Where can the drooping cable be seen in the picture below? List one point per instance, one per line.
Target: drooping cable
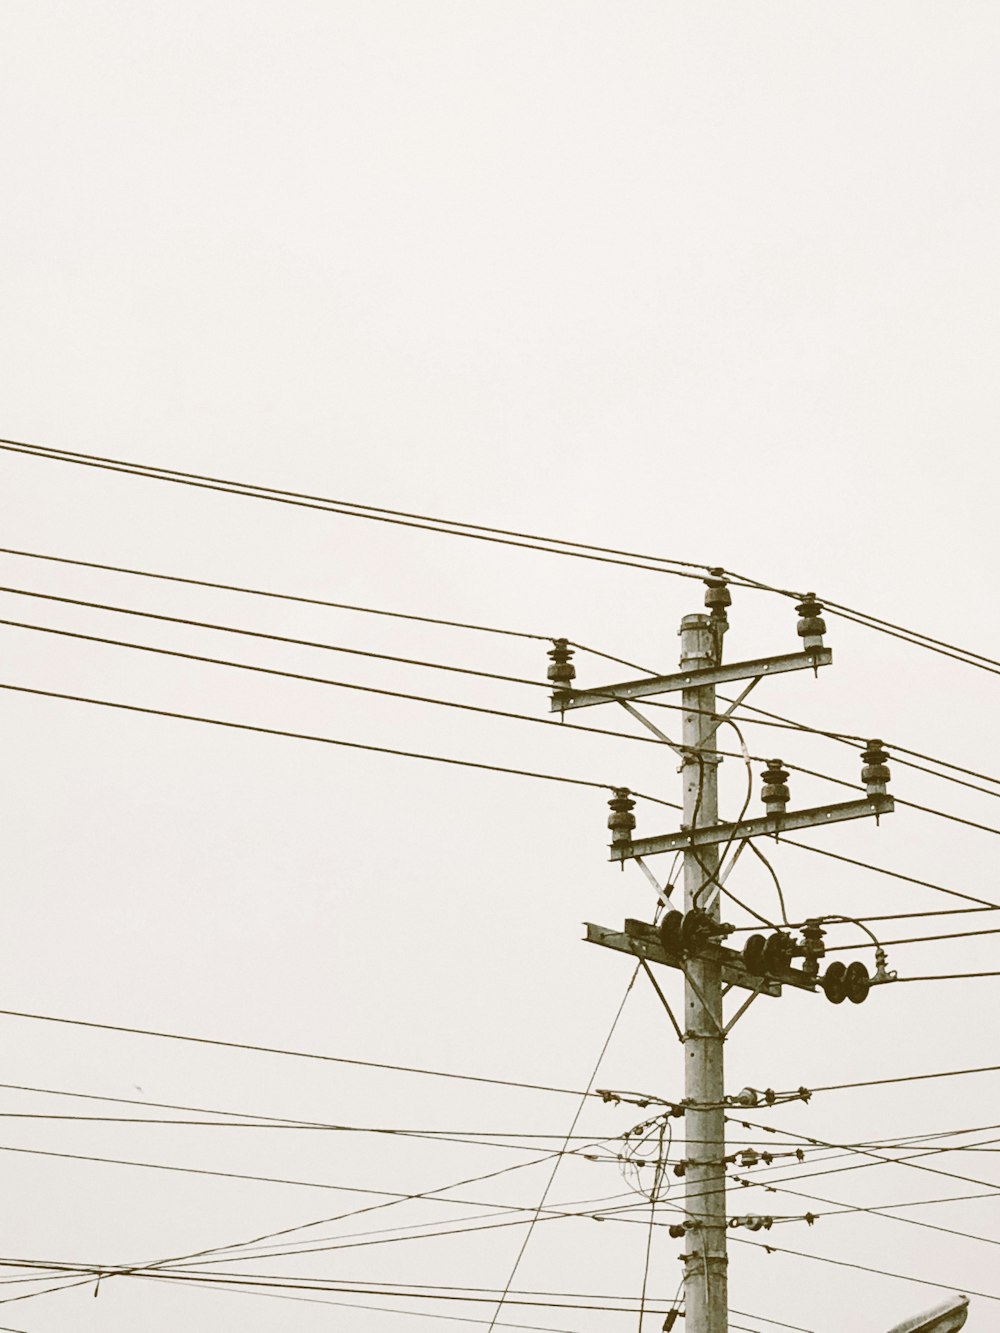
(572, 1129)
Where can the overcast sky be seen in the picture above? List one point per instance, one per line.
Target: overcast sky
(717, 282)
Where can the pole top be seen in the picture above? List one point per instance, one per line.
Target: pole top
(697, 621)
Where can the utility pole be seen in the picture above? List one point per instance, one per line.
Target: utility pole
(691, 941)
(706, 1285)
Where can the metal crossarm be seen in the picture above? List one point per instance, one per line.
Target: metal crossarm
(648, 946)
(773, 825)
(563, 700)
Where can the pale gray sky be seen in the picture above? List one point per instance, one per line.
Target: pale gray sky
(714, 281)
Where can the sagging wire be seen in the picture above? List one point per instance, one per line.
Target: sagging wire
(660, 1163)
(777, 883)
(714, 877)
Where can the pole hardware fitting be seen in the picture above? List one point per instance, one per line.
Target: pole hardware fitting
(775, 793)
(671, 1319)
(812, 946)
(621, 821)
(752, 1222)
(853, 982)
(811, 626)
(681, 1168)
(882, 975)
(767, 1097)
(561, 670)
(875, 774)
(772, 955)
(685, 933)
(748, 1157)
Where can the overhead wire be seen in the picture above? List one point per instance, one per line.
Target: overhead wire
(865, 1268)
(919, 939)
(483, 532)
(572, 1129)
(298, 598)
(326, 680)
(319, 740)
(892, 874)
(380, 656)
(602, 1095)
(350, 509)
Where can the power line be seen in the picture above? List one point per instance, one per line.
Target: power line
(886, 916)
(320, 740)
(841, 1209)
(277, 596)
(919, 939)
(907, 1078)
(878, 1159)
(437, 1194)
(349, 509)
(272, 1123)
(911, 805)
(765, 718)
(356, 1305)
(326, 680)
(189, 622)
(555, 1166)
(483, 532)
(865, 1268)
(893, 874)
(950, 976)
(595, 1209)
(643, 1100)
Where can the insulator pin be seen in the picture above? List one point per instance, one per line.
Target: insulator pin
(875, 773)
(811, 626)
(621, 821)
(775, 793)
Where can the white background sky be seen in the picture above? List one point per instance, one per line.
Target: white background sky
(713, 281)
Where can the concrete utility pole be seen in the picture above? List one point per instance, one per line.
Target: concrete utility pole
(691, 941)
(706, 1301)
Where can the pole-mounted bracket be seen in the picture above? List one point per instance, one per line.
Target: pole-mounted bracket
(768, 825)
(641, 939)
(565, 699)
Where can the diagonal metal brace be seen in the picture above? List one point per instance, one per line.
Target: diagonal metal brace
(704, 1003)
(663, 999)
(742, 1009)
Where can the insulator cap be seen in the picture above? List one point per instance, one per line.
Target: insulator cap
(775, 793)
(811, 623)
(717, 598)
(561, 671)
(621, 821)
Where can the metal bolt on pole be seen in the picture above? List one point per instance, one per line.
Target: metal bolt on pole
(706, 1300)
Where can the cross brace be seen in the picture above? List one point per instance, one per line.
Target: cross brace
(641, 940)
(754, 828)
(563, 700)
